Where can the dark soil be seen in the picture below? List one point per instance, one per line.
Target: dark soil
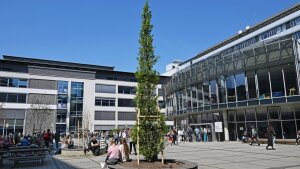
(154, 165)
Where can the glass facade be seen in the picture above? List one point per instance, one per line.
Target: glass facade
(76, 105)
(255, 86)
(62, 105)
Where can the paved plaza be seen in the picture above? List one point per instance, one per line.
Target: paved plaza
(208, 155)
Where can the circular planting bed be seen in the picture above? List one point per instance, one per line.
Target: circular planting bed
(174, 164)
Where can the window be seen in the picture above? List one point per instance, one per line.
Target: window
(161, 104)
(273, 113)
(13, 97)
(105, 101)
(62, 87)
(263, 83)
(21, 98)
(262, 114)
(126, 103)
(287, 112)
(127, 116)
(290, 79)
(240, 115)
(240, 86)
(206, 93)
(250, 114)
(3, 82)
(213, 91)
(61, 116)
(251, 85)
(105, 115)
(102, 88)
(13, 82)
(199, 95)
(277, 82)
(126, 90)
(221, 89)
(230, 89)
(62, 101)
(160, 92)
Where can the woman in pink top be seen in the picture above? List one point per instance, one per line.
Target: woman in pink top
(113, 153)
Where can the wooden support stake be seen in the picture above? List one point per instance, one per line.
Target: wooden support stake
(138, 138)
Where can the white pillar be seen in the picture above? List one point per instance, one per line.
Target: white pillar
(225, 121)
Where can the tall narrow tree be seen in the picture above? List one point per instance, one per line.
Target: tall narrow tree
(152, 126)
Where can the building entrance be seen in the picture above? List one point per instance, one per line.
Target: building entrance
(211, 135)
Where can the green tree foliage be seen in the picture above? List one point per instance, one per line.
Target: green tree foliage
(152, 124)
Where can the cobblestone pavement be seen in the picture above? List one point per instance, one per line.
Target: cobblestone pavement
(211, 155)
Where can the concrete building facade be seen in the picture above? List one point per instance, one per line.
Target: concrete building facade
(38, 94)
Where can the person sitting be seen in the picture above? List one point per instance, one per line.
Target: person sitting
(24, 142)
(124, 150)
(2, 143)
(298, 137)
(64, 144)
(244, 137)
(113, 154)
(70, 142)
(94, 146)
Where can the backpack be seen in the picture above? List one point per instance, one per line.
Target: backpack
(112, 161)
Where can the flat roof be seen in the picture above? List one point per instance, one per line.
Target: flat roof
(256, 27)
(56, 63)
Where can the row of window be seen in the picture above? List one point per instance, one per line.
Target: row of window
(112, 102)
(103, 88)
(110, 115)
(259, 84)
(13, 82)
(12, 98)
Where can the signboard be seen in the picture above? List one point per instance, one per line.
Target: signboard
(218, 127)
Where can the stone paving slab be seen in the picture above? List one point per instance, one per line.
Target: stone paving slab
(213, 155)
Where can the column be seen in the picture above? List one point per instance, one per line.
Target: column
(225, 121)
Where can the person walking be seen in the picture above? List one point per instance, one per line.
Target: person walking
(197, 133)
(270, 135)
(57, 139)
(254, 136)
(205, 134)
(174, 139)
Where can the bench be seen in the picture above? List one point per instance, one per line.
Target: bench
(17, 154)
(2, 152)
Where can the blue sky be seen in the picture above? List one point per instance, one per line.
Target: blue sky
(106, 32)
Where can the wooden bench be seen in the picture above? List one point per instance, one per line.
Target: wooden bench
(17, 154)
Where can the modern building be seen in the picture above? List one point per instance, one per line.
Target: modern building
(38, 94)
(248, 80)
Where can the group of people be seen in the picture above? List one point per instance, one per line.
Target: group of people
(180, 136)
(36, 139)
(270, 135)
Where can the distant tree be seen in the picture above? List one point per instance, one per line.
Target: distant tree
(152, 128)
(39, 115)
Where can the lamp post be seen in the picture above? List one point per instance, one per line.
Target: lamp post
(6, 126)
